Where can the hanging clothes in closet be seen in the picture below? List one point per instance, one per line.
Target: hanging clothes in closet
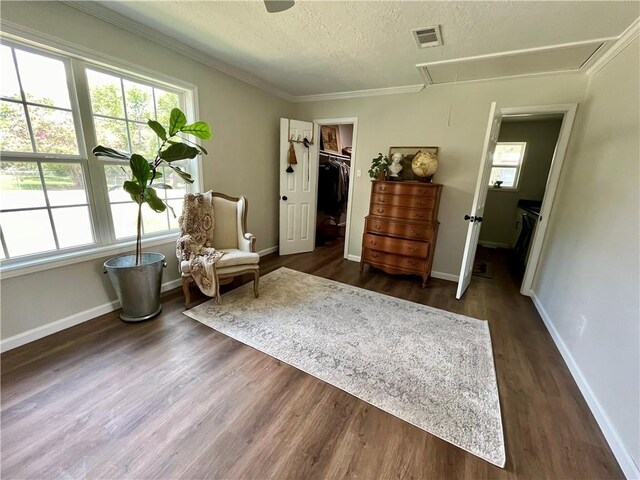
(333, 185)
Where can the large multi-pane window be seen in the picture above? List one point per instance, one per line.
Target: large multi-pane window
(49, 181)
(120, 109)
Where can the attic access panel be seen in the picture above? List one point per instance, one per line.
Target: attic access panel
(512, 64)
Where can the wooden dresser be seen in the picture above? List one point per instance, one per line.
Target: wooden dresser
(401, 228)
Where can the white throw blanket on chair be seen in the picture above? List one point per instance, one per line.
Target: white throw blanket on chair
(196, 241)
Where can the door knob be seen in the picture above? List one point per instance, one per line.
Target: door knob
(285, 198)
(478, 219)
(470, 218)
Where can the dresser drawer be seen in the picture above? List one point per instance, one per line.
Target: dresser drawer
(409, 248)
(408, 201)
(410, 230)
(412, 264)
(422, 215)
(407, 188)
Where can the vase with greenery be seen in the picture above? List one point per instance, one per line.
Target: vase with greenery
(379, 167)
(137, 278)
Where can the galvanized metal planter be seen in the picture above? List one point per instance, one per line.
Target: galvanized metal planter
(137, 286)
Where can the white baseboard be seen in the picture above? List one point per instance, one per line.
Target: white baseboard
(440, 275)
(267, 251)
(628, 466)
(445, 276)
(70, 321)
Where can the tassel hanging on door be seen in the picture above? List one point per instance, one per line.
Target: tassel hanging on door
(292, 160)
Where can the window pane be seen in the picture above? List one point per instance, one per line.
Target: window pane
(14, 133)
(65, 183)
(177, 209)
(153, 221)
(139, 101)
(44, 79)
(505, 174)
(106, 94)
(124, 216)
(179, 186)
(27, 232)
(112, 133)
(508, 154)
(143, 140)
(53, 131)
(9, 86)
(165, 102)
(116, 176)
(20, 185)
(73, 226)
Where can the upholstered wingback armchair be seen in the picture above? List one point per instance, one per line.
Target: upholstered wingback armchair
(229, 236)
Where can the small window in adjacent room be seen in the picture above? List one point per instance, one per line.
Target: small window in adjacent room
(506, 165)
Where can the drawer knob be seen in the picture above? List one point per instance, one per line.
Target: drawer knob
(378, 227)
(413, 232)
(419, 215)
(372, 242)
(413, 249)
(414, 263)
(381, 210)
(381, 200)
(374, 255)
(383, 189)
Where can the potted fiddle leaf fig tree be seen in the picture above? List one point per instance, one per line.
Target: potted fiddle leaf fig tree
(137, 278)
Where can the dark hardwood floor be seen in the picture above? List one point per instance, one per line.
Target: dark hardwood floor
(172, 398)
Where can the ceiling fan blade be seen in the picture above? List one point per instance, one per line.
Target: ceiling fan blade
(275, 6)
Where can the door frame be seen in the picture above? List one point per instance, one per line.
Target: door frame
(342, 121)
(553, 178)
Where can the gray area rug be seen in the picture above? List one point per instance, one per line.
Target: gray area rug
(431, 368)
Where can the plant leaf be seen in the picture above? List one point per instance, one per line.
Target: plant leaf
(140, 168)
(198, 129)
(159, 129)
(162, 186)
(101, 151)
(177, 120)
(133, 189)
(181, 173)
(152, 199)
(178, 151)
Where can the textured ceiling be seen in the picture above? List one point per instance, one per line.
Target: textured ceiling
(326, 47)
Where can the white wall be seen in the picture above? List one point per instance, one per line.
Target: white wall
(588, 281)
(245, 124)
(499, 224)
(452, 117)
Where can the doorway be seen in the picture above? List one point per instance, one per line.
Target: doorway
(336, 162)
(519, 173)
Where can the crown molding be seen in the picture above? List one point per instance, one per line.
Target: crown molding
(628, 36)
(97, 10)
(114, 18)
(374, 92)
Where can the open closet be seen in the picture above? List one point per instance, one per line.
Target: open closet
(334, 164)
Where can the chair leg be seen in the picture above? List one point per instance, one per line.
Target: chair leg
(256, 279)
(218, 297)
(185, 289)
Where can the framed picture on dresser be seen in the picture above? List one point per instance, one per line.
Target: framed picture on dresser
(407, 157)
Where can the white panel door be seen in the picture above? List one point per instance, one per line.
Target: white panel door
(479, 199)
(298, 195)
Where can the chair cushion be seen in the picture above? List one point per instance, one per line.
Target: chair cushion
(231, 258)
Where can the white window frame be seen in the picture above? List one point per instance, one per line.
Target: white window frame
(518, 168)
(76, 61)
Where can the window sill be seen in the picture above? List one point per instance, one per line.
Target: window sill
(60, 260)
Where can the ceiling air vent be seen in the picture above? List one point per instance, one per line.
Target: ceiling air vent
(427, 36)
